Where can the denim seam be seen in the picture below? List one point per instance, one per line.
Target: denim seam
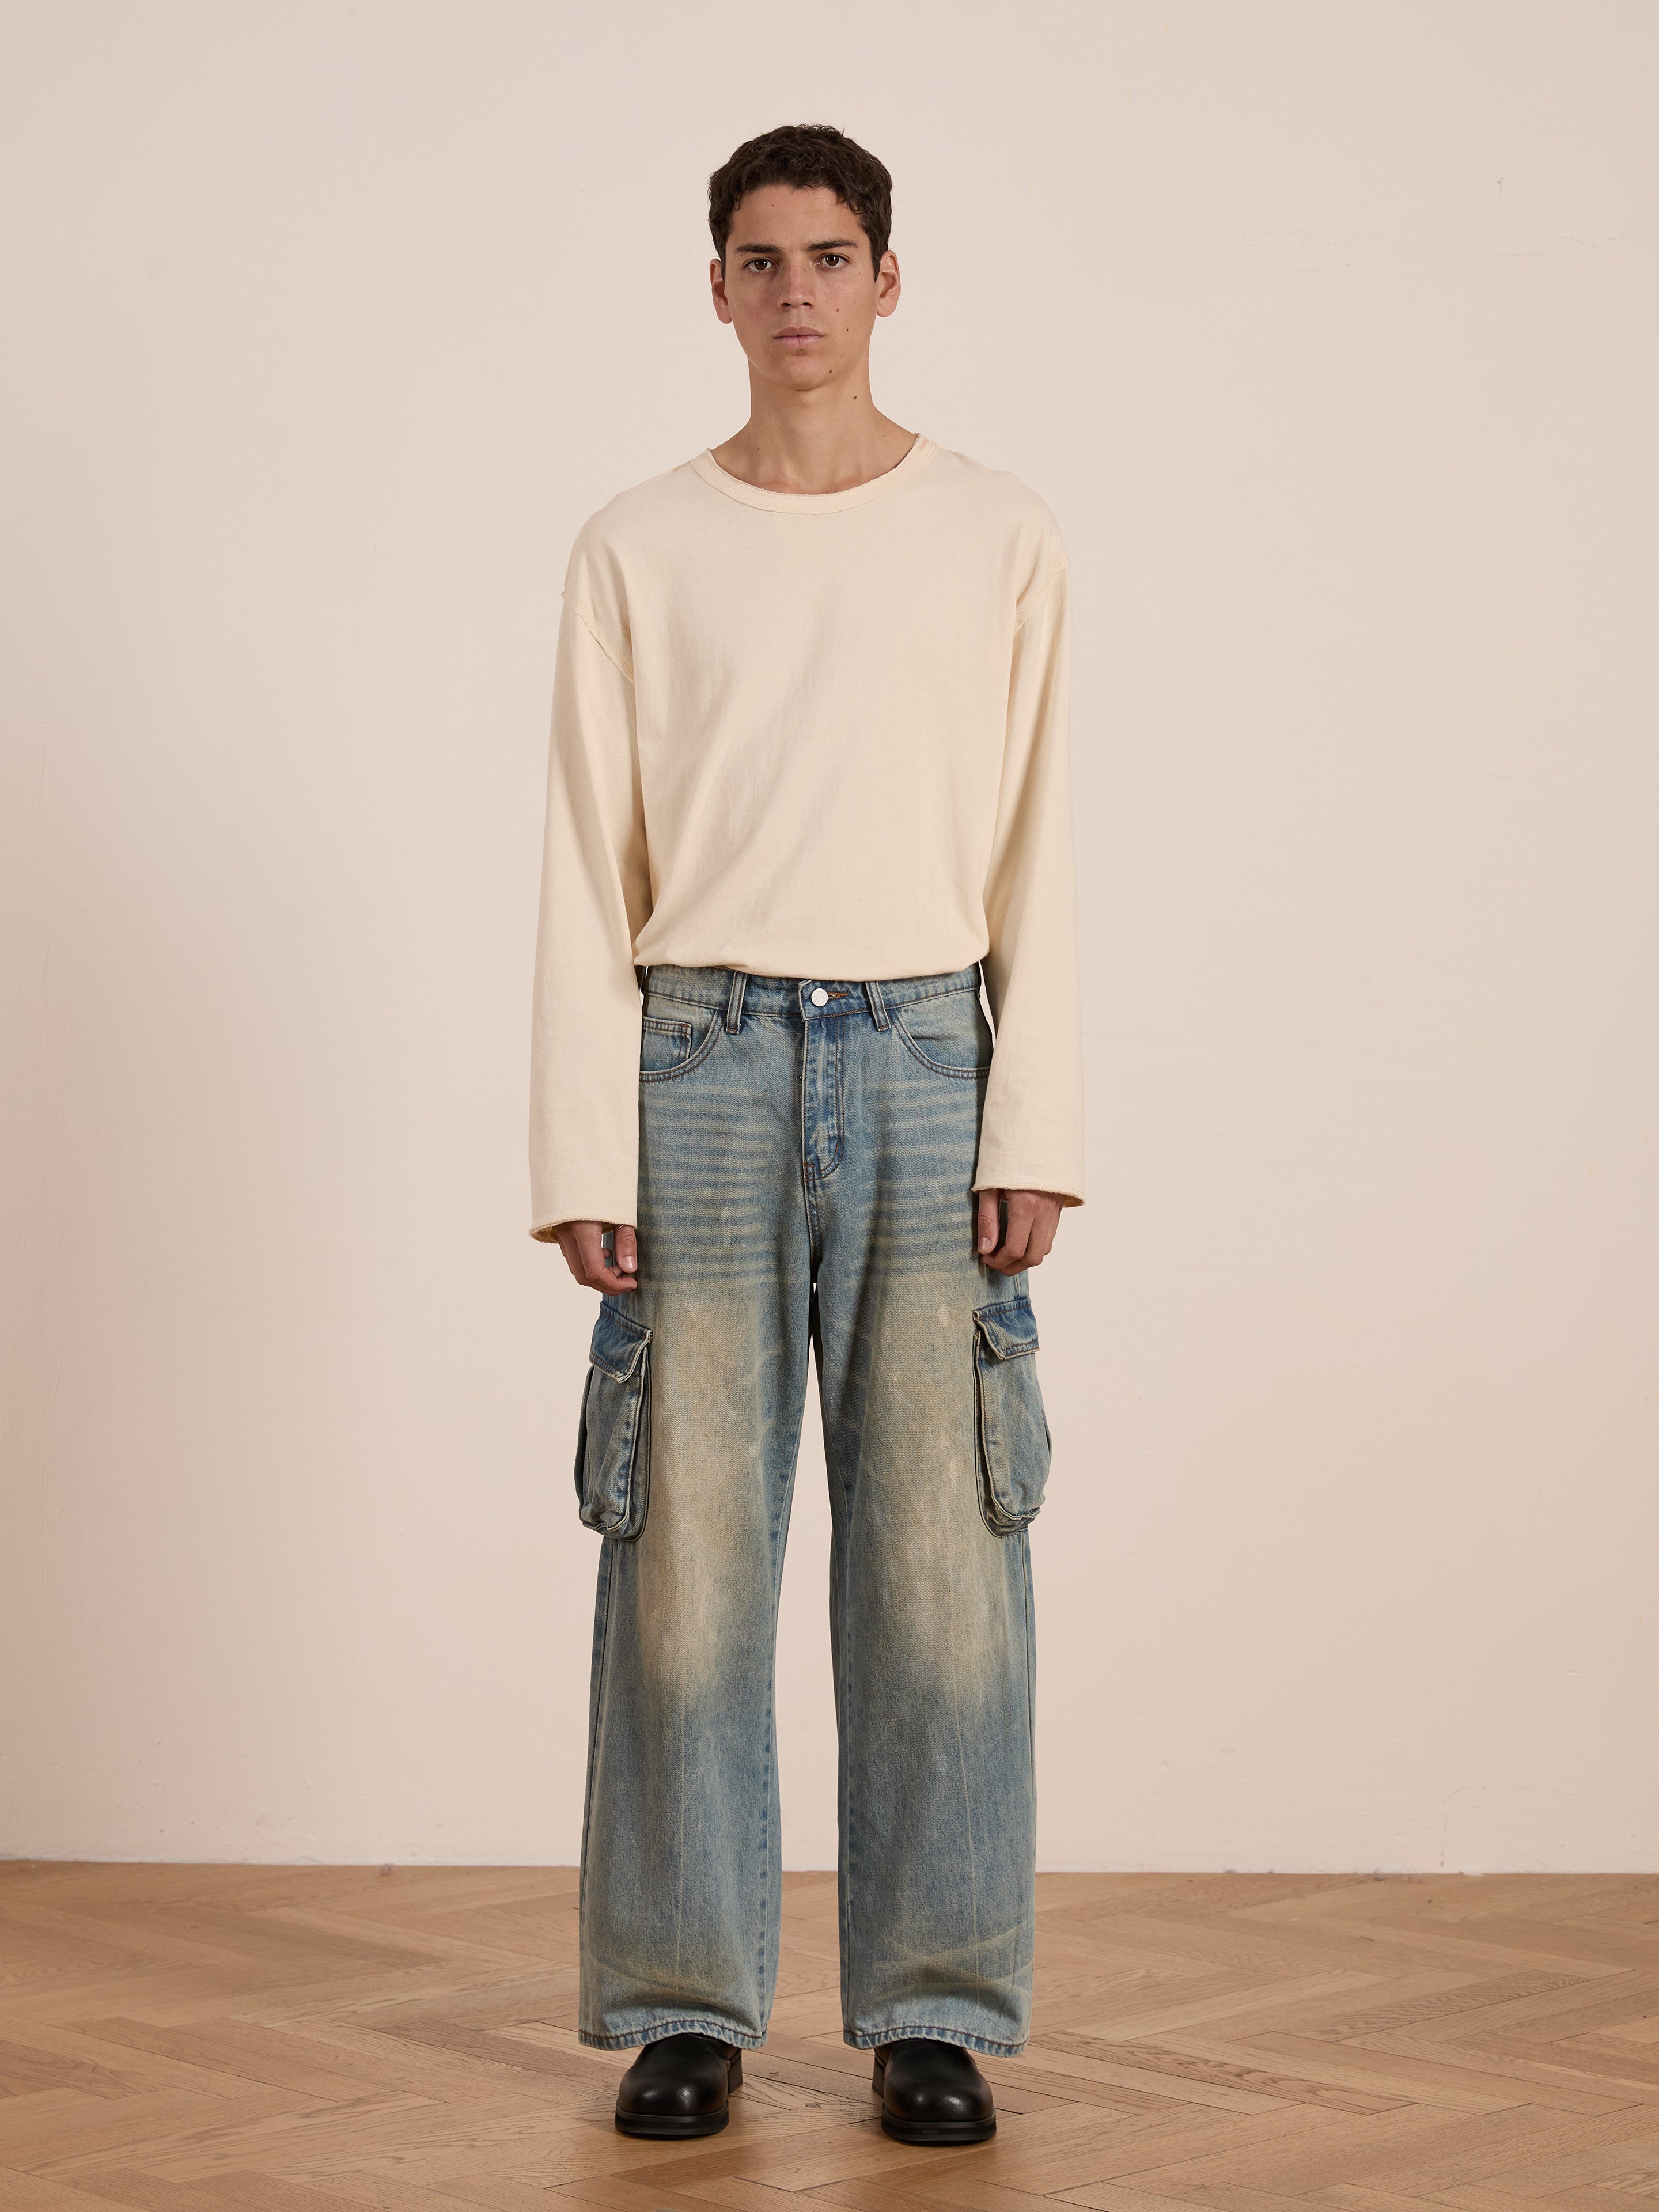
(692, 2023)
(873, 2040)
(891, 994)
(684, 999)
(808, 1172)
(838, 1047)
(769, 1758)
(1026, 1600)
(936, 991)
(762, 1999)
(764, 1995)
(608, 1568)
(814, 1228)
(1026, 1972)
(939, 1066)
(767, 1755)
(846, 1720)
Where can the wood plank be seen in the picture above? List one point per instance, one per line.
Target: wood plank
(185, 2039)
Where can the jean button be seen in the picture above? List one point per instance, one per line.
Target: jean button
(820, 997)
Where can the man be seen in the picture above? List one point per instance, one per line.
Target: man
(809, 774)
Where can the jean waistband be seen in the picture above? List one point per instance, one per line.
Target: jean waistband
(735, 991)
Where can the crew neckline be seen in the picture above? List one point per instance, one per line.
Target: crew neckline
(814, 502)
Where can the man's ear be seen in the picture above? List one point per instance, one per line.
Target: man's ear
(887, 283)
(717, 287)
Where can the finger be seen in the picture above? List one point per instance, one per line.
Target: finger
(594, 1264)
(985, 1220)
(603, 1272)
(1040, 1239)
(1016, 1237)
(997, 1257)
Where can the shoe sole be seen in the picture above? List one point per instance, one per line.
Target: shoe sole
(938, 2133)
(695, 2124)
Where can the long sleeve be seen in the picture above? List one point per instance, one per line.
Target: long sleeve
(595, 898)
(1031, 1136)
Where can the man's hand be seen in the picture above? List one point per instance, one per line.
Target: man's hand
(590, 1263)
(1033, 1216)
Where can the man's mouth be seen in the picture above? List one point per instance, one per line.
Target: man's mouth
(797, 338)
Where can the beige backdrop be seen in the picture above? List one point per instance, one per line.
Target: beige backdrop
(1329, 330)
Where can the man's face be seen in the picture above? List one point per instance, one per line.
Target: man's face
(799, 288)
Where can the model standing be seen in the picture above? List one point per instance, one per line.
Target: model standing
(809, 780)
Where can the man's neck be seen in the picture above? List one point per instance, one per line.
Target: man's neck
(830, 440)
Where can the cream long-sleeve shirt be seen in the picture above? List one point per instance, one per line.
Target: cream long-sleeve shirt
(808, 734)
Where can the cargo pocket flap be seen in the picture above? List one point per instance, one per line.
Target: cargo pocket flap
(613, 1433)
(1009, 1327)
(1013, 1424)
(618, 1343)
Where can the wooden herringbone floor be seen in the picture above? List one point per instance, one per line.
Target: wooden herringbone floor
(231, 2038)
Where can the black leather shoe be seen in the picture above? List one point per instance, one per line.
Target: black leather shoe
(933, 2093)
(678, 2087)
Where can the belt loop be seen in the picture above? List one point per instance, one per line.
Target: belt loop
(640, 975)
(734, 1000)
(877, 1005)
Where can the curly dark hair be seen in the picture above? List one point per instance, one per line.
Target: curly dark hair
(804, 155)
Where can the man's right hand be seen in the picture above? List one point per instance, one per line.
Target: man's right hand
(590, 1263)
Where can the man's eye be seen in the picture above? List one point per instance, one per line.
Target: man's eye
(760, 261)
(838, 258)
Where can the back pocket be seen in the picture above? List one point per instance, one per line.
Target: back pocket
(1012, 1440)
(613, 1433)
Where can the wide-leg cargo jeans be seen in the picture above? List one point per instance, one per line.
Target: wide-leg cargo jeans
(807, 1151)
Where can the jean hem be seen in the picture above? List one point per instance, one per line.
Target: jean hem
(874, 2041)
(692, 2023)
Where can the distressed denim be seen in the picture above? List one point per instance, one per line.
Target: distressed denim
(807, 1159)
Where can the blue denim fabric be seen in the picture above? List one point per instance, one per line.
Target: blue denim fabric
(805, 1175)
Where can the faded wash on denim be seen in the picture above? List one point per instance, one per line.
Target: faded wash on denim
(806, 1158)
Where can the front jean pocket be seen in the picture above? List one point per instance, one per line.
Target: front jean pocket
(677, 1036)
(613, 1433)
(948, 1034)
(1013, 1443)
(665, 1044)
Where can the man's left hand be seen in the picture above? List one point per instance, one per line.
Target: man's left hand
(1026, 1233)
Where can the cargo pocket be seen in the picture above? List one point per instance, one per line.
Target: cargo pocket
(613, 1434)
(1012, 1441)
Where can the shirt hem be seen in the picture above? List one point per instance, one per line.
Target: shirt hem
(1065, 1192)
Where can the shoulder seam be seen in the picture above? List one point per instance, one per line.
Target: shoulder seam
(599, 637)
